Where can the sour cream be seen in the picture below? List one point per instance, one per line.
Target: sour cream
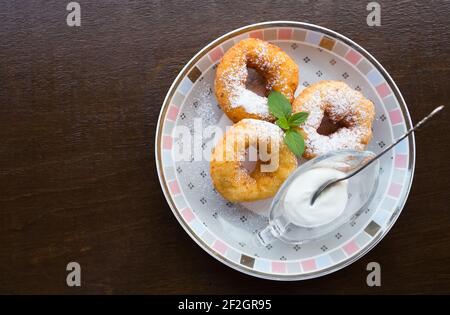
(327, 207)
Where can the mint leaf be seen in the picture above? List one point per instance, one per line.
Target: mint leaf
(279, 105)
(297, 119)
(283, 123)
(295, 142)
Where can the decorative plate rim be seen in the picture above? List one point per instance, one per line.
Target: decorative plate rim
(165, 188)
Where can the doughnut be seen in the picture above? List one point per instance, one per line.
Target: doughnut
(345, 108)
(232, 180)
(278, 69)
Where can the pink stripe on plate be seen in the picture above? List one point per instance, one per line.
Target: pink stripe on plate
(172, 113)
(167, 142)
(400, 160)
(278, 267)
(256, 34)
(285, 33)
(353, 56)
(383, 90)
(216, 54)
(174, 187)
(394, 190)
(350, 248)
(396, 116)
(187, 214)
(309, 265)
(220, 247)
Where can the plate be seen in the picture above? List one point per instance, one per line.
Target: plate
(225, 230)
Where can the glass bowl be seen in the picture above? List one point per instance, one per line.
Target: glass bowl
(361, 190)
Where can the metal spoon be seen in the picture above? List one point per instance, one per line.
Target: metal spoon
(331, 182)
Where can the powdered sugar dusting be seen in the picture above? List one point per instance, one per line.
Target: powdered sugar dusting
(340, 103)
(250, 101)
(203, 104)
(264, 129)
(265, 136)
(236, 76)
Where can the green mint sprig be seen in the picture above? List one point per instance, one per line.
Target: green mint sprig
(280, 107)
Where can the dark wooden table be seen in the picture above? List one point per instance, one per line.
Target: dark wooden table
(78, 112)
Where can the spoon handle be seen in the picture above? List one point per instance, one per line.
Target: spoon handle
(420, 123)
(376, 157)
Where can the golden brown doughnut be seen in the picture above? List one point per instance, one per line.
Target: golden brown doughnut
(229, 176)
(343, 106)
(279, 70)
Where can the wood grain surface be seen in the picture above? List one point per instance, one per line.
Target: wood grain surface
(78, 113)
